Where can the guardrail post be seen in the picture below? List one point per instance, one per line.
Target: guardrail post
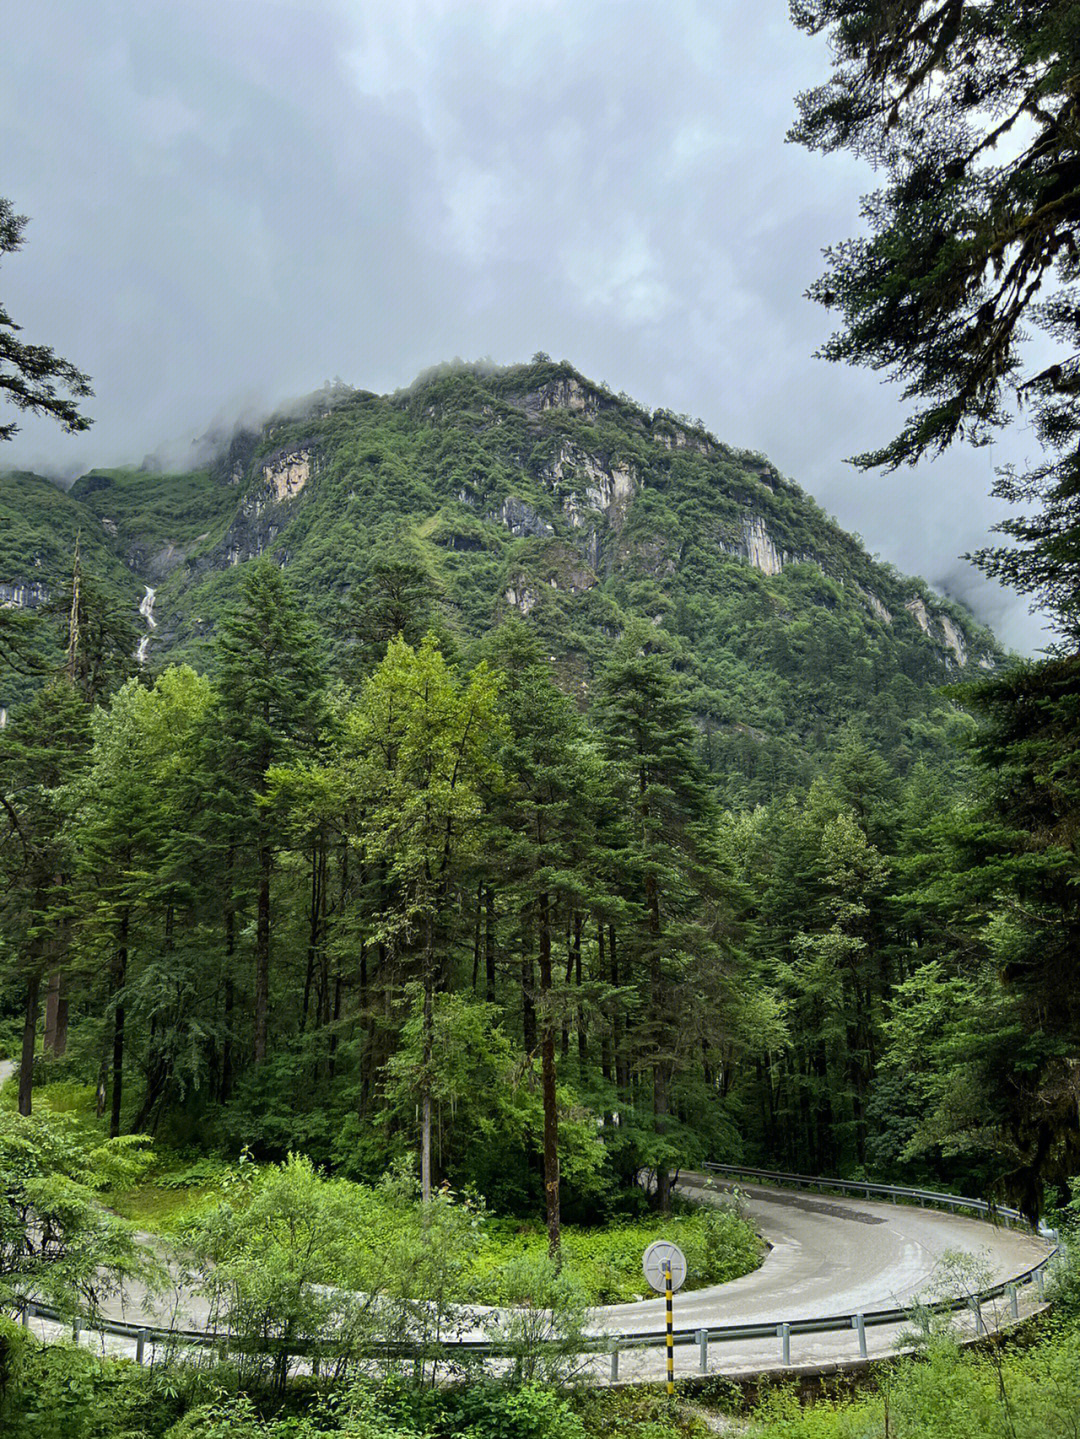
(783, 1333)
(859, 1323)
(702, 1337)
(1014, 1300)
(27, 1315)
(75, 1329)
(140, 1345)
(614, 1358)
(976, 1309)
(1040, 1282)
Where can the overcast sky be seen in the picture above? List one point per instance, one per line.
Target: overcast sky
(232, 202)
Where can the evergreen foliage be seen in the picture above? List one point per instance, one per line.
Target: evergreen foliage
(600, 851)
(481, 491)
(32, 377)
(968, 110)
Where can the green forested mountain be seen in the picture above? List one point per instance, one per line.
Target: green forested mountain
(477, 493)
(498, 773)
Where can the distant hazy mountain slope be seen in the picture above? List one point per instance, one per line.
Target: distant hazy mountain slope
(532, 489)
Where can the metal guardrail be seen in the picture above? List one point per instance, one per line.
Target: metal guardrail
(894, 1192)
(613, 1344)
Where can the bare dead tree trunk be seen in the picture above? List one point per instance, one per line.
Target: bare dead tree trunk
(476, 937)
(230, 990)
(547, 1079)
(119, 980)
(489, 944)
(425, 1083)
(262, 956)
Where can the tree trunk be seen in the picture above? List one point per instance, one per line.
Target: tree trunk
(661, 1022)
(226, 1046)
(489, 945)
(228, 915)
(547, 1073)
(476, 937)
(26, 1062)
(622, 1059)
(321, 950)
(119, 980)
(56, 1015)
(582, 1027)
(660, 1112)
(262, 956)
(528, 980)
(564, 1027)
(425, 1082)
(606, 1039)
(229, 920)
(331, 1063)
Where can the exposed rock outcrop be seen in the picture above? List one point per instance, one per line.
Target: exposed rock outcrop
(674, 436)
(567, 393)
(22, 595)
(522, 520)
(259, 521)
(555, 567)
(758, 547)
(873, 604)
(878, 608)
(916, 607)
(287, 472)
(954, 639)
(586, 482)
(522, 596)
(944, 632)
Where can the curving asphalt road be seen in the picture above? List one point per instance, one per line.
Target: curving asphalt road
(827, 1256)
(832, 1256)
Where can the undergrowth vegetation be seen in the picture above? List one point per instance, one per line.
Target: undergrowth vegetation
(603, 1262)
(1023, 1391)
(606, 1262)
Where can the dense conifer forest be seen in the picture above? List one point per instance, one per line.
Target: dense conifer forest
(500, 774)
(431, 824)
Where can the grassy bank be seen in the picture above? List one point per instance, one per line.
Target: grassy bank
(603, 1262)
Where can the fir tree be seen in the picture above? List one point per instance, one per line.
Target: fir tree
(268, 704)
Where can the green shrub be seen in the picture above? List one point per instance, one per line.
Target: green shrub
(531, 1412)
(62, 1391)
(1002, 1392)
(606, 1263)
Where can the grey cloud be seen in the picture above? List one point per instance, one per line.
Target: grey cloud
(233, 202)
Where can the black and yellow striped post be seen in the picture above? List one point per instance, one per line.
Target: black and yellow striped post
(670, 1329)
(664, 1266)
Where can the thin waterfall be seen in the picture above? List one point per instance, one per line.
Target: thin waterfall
(146, 609)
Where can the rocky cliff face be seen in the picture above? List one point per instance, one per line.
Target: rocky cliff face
(533, 490)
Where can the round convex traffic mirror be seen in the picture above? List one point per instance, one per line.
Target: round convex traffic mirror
(655, 1260)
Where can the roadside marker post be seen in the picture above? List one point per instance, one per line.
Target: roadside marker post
(670, 1328)
(664, 1265)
